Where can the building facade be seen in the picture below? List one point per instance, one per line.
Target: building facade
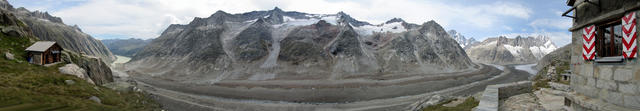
(604, 58)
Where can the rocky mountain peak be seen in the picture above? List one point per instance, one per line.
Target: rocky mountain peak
(276, 9)
(395, 20)
(276, 16)
(345, 18)
(46, 16)
(511, 49)
(431, 25)
(322, 23)
(5, 5)
(461, 39)
(77, 27)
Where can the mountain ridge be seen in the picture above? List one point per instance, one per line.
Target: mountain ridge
(518, 50)
(276, 44)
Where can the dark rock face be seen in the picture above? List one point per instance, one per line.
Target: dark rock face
(306, 44)
(50, 28)
(97, 70)
(125, 47)
(253, 43)
(275, 44)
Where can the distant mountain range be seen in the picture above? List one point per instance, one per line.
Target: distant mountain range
(125, 47)
(518, 50)
(276, 44)
(461, 39)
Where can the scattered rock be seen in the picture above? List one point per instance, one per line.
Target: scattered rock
(12, 31)
(69, 82)
(136, 89)
(550, 99)
(456, 102)
(435, 99)
(73, 69)
(95, 99)
(526, 101)
(561, 87)
(478, 95)
(9, 56)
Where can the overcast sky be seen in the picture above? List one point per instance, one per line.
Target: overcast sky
(107, 19)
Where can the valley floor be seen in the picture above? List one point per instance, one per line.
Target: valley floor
(299, 95)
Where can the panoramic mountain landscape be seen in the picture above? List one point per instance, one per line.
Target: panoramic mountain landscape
(318, 55)
(275, 44)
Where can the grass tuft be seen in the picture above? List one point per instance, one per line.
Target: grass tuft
(467, 105)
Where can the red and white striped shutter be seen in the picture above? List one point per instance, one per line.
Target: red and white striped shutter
(629, 36)
(588, 42)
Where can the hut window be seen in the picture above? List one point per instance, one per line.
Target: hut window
(609, 39)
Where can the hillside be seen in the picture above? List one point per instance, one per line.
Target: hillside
(26, 87)
(51, 28)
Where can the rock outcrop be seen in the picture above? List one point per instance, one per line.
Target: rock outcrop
(75, 70)
(518, 50)
(95, 68)
(275, 44)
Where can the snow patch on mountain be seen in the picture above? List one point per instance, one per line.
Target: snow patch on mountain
(514, 50)
(540, 51)
(290, 21)
(395, 27)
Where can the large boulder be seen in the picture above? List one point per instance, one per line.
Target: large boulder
(75, 70)
(9, 56)
(95, 67)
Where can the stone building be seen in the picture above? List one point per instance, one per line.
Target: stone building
(606, 70)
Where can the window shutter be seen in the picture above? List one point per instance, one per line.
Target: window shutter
(629, 36)
(588, 42)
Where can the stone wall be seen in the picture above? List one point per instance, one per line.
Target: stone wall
(615, 84)
(491, 96)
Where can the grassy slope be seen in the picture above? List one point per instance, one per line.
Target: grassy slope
(24, 83)
(467, 105)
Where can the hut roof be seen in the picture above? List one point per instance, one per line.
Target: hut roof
(41, 46)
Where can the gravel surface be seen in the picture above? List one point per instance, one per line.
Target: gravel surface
(393, 97)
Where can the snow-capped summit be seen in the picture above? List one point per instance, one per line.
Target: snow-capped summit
(462, 40)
